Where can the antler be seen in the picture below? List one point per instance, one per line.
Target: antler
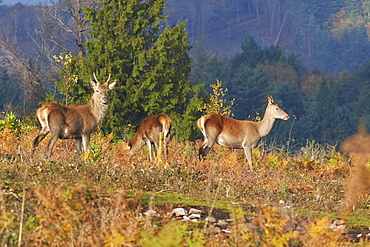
(95, 77)
(108, 79)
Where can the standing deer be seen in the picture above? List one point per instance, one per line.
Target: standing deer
(73, 122)
(148, 132)
(232, 133)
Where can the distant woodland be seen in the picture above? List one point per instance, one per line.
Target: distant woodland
(311, 55)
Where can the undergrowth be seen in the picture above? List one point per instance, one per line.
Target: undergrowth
(289, 200)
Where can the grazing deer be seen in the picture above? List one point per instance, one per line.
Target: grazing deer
(232, 133)
(73, 122)
(148, 132)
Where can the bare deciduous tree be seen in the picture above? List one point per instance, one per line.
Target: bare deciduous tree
(59, 27)
(28, 74)
(63, 23)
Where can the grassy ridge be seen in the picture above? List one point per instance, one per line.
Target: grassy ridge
(289, 200)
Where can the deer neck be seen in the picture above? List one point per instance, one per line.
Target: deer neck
(98, 109)
(265, 125)
(136, 143)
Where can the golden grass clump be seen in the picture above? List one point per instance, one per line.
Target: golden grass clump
(319, 235)
(83, 216)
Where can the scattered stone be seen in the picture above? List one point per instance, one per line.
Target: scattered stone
(211, 220)
(194, 216)
(151, 213)
(218, 230)
(223, 226)
(195, 211)
(338, 225)
(339, 222)
(341, 227)
(185, 218)
(179, 212)
(222, 223)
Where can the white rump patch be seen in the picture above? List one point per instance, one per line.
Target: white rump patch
(44, 122)
(202, 125)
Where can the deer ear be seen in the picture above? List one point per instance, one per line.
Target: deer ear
(112, 85)
(269, 99)
(93, 83)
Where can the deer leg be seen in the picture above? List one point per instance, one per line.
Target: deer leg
(43, 131)
(165, 145)
(203, 151)
(149, 144)
(79, 145)
(51, 143)
(85, 142)
(211, 135)
(56, 129)
(42, 134)
(248, 156)
(156, 147)
(207, 145)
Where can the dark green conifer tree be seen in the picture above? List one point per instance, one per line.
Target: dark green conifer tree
(149, 60)
(252, 54)
(10, 93)
(250, 88)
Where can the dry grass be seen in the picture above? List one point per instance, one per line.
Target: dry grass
(289, 200)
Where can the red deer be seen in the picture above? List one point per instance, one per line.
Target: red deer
(232, 133)
(73, 122)
(148, 133)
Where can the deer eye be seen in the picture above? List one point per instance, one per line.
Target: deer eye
(277, 108)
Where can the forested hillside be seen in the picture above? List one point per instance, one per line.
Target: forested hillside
(310, 55)
(332, 35)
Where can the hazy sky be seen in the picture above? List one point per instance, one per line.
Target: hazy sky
(29, 2)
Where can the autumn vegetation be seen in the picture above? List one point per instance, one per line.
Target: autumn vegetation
(291, 199)
(310, 184)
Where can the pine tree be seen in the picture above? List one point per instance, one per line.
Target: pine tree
(148, 58)
(10, 93)
(249, 87)
(287, 96)
(251, 55)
